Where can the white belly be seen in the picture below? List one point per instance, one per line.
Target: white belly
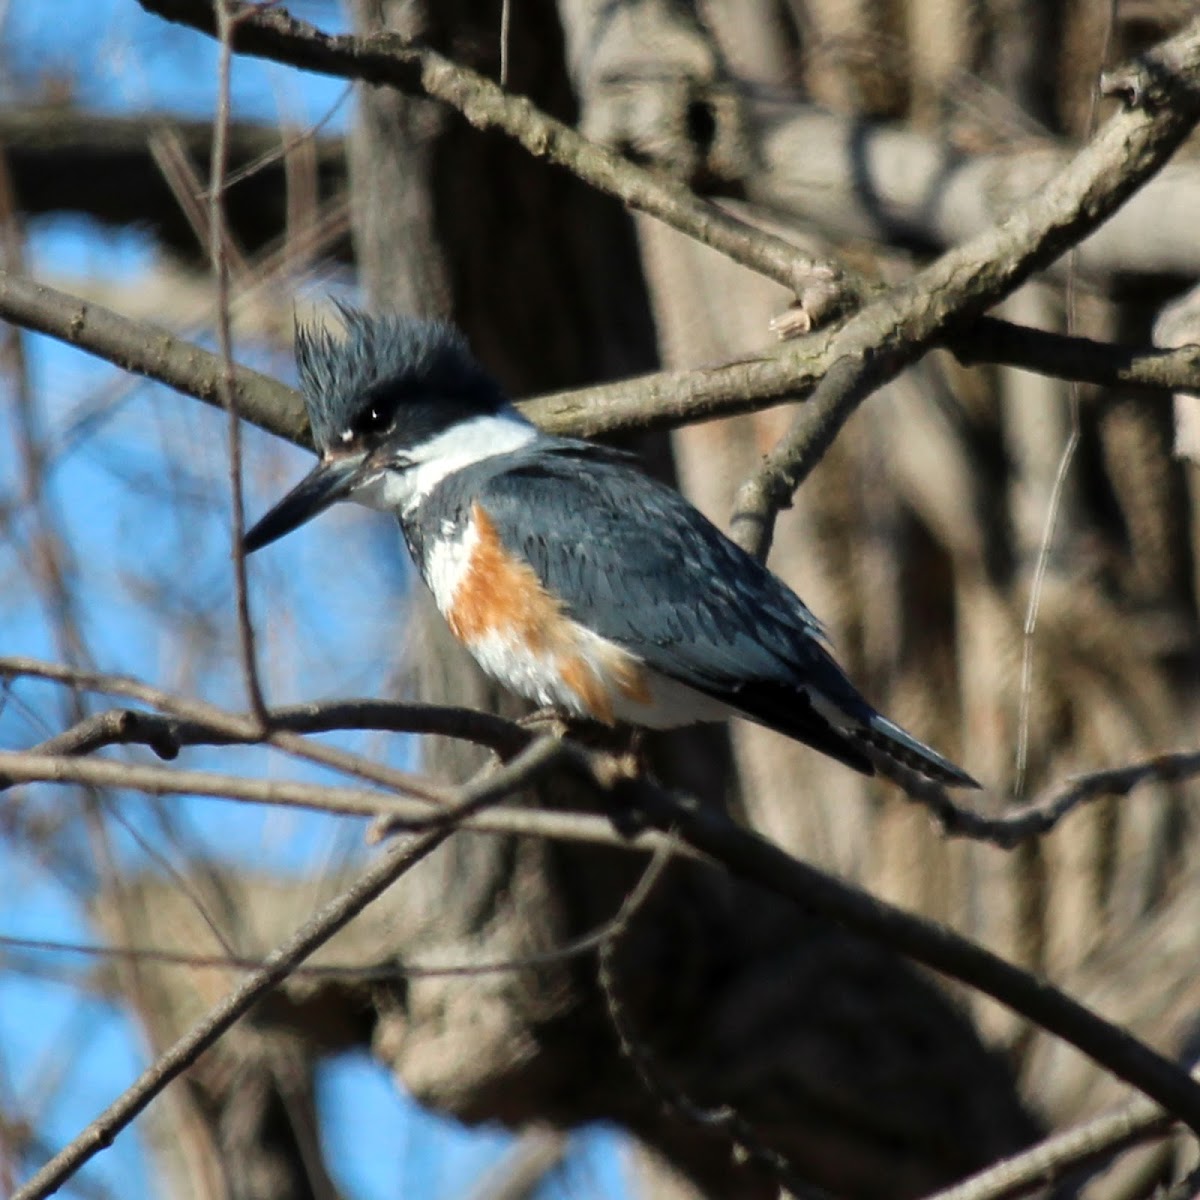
(652, 702)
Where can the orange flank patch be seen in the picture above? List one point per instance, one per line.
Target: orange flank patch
(631, 680)
(578, 677)
(499, 595)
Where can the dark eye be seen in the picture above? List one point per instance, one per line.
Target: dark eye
(371, 418)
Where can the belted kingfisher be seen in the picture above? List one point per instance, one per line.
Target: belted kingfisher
(574, 580)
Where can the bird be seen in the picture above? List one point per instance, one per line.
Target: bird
(574, 579)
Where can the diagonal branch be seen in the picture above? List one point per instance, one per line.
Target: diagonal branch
(154, 353)
(890, 333)
(1132, 1124)
(760, 862)
(712, 835)
(487, 788)
(388, 59)
(168, 1066)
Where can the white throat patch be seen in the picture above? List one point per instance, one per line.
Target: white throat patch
(460, 446)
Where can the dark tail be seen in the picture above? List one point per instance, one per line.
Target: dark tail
(892, 742)
(847, 729)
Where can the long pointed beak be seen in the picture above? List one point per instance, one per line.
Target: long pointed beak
(329, 481)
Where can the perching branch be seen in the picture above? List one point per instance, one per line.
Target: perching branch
(167, 735)
(237, 727)
(713, 835)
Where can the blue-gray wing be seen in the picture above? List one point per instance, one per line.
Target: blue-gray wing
(634, 561)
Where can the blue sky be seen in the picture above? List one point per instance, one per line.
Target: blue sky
(148, 529)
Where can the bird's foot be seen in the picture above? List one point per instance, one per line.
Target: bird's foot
(616, 757)
(547, 722)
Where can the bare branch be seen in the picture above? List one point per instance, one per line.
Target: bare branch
(1075, 358)
(194, 723)
(386, 58)
(166, 735)
(712, 834)
(664, 400)
(847, 176)
(1039, 816)
(144, 350)
(763, 864)
(852, 178)
(1137, 1122)
(168, 1066)
(18, 767)
(238, 727)
(206, 725)
(892, 332)
(108, 166)
(219, 253)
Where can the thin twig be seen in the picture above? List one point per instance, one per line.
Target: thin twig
(723, 1121)
(765, 865)
(306, 136)
(1038, 817)
(893, 331)
(492, 783)
(54, 565)
(505, 30)
(340, 801)
(387, 58)
(574, 947)
(1062, 473)
(187, 1049)
(1133, 1124)
(219, 252)
(237, 727)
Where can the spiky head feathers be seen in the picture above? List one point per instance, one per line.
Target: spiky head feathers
(389, 373)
